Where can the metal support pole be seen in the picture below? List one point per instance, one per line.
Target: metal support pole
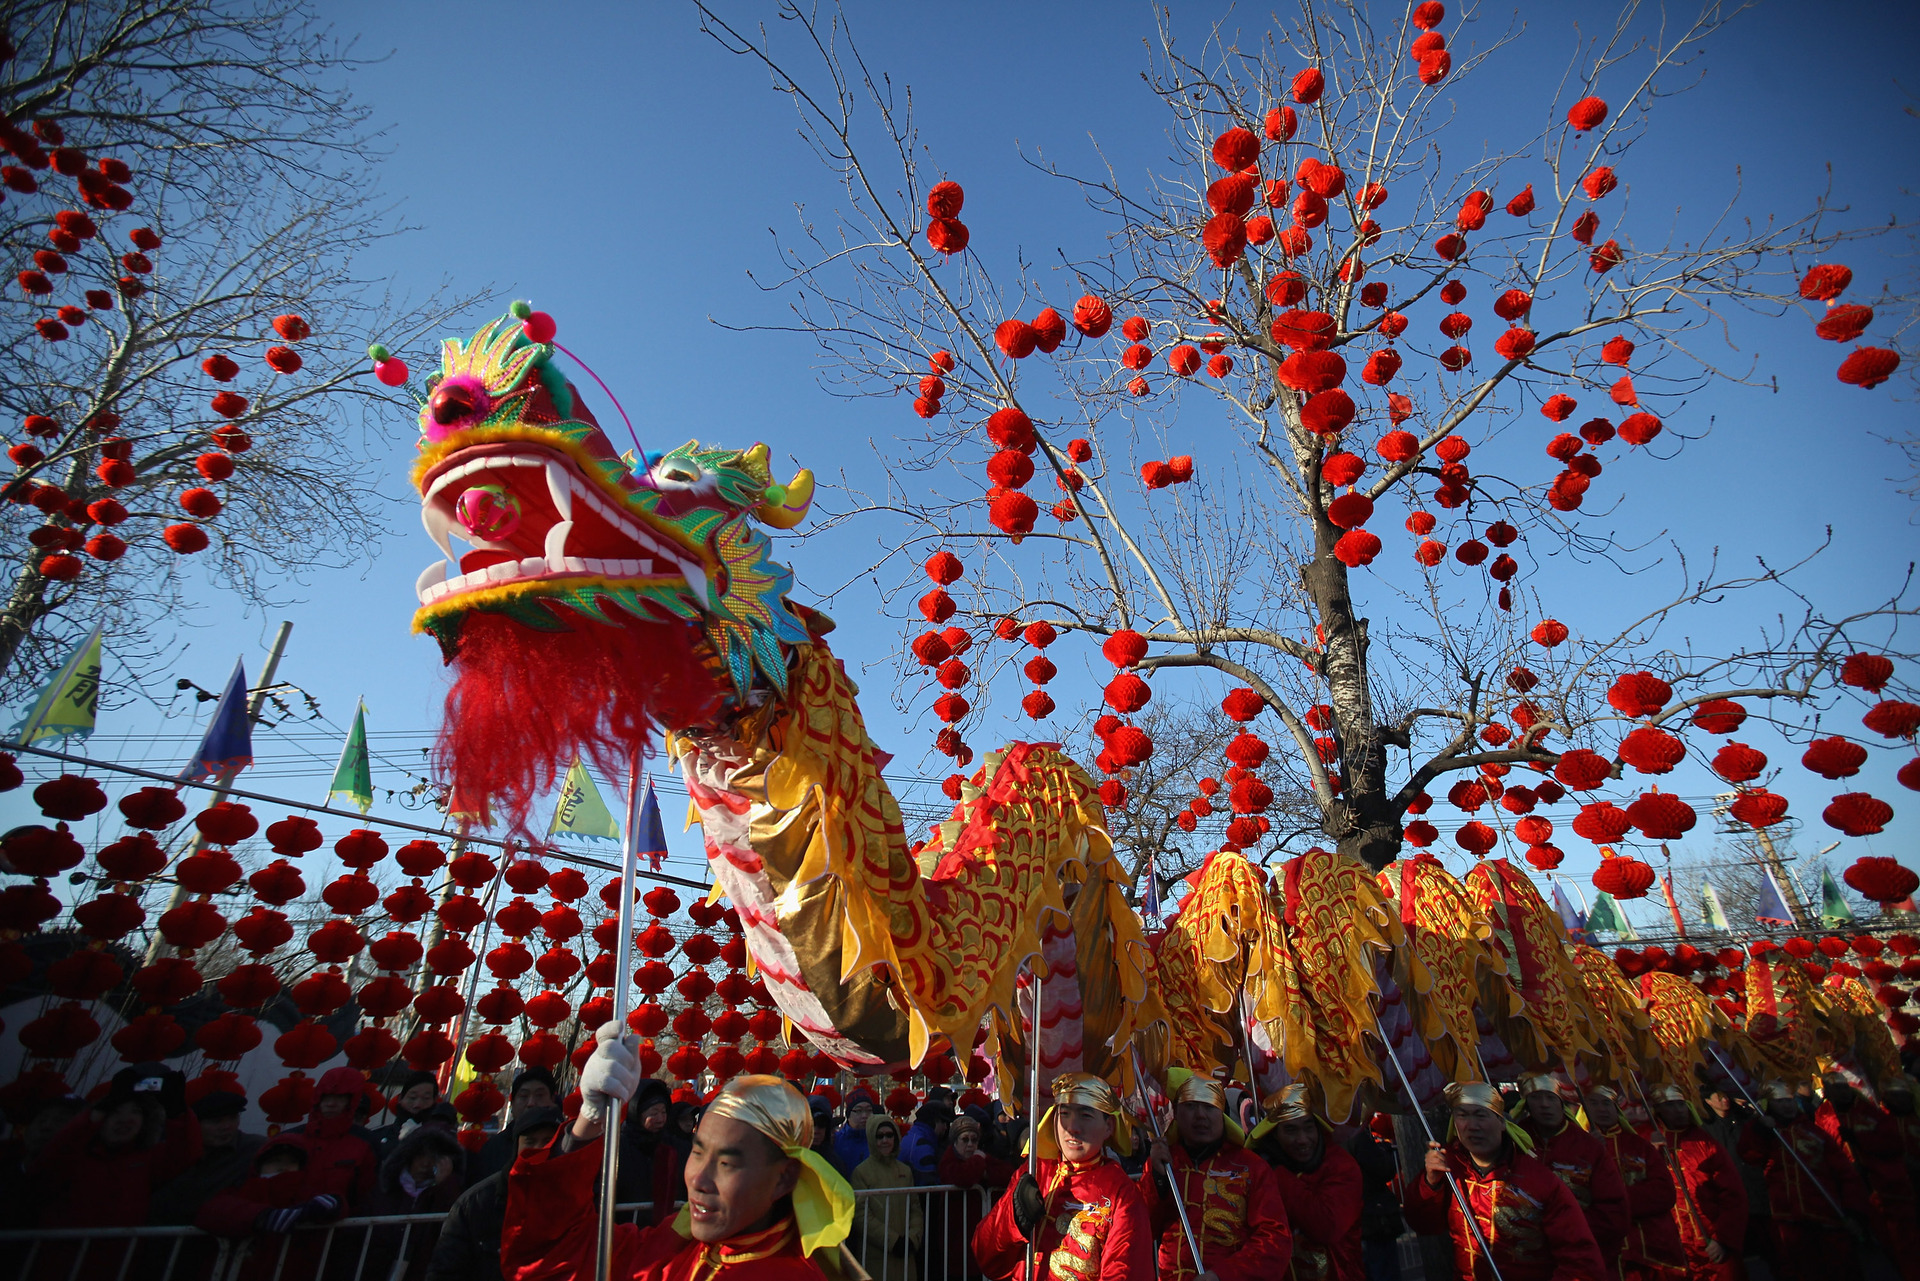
(622, 999)
(1798, 1159)
(1179, 1201)
(1033, 1092)
(1459, 1193)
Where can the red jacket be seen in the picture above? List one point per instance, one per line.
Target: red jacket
(1791, 1196)
(1235, 1208)
(1652, 1235)
(1867, 1134)
(1528, 1215)
(1095, 1228)
(80, 1184)
(552, 1224)
(1323, 1206)
(340, 1159)
(1586, 1166)
(293, 1256)
(1712, 1200)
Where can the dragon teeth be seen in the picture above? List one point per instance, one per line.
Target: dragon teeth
(557, 546)
(434, 575)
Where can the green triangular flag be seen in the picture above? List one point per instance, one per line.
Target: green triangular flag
(353, 777)
(581, 812)
(1833, 904)
(1712, 914)
(66, 707)
(1605, 915)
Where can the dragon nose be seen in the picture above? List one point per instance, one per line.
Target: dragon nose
(451, 404)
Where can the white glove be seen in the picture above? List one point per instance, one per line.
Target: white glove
(612, 1075)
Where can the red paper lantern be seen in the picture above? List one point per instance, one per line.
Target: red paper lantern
(1623, 877)
(226, 823)
(307, 1044)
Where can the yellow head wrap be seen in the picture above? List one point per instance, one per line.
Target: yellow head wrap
(822, 1200)
(1197, 1087)
(1081, 1089)
(1674, 1094)
(1778, 1089)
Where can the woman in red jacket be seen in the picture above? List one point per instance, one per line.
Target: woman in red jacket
(1083, 1215)
(340, 1160)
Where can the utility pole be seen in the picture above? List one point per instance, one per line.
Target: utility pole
(156, 946)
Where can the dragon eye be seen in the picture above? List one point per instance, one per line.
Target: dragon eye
(678, 473)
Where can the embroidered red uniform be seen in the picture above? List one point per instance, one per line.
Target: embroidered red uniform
(551, 1224)
(1235, 1208)
(1652, 1251)
(1711, 1205)
(1584, 1164)
(1095, 1226)
(1810, 1237)
(1323, 1210)
(1528, 1215)
(1867, 1134)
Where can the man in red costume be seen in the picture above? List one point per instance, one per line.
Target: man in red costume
(1581, 1160)
(1652, 1251)
(1322, 1186)
(1711, 1207)
(1812, 1236)
(1232, 1201)
(1083, 1215)
(1869, 1137)
(761, 1204)
(1525, 1215)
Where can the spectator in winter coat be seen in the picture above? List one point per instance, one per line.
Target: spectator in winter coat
(419, 1092)
(887, 1230)
(850, 1140)
(980, 1177)
(101, 1170)
(1372, 1148)
(469, 1244)
(226, 1160)
(920, 1145)
(284, 1192)
(29, 1139)
(534, 1089)
(651, 1169)
(422, 1175)
(340, 1160)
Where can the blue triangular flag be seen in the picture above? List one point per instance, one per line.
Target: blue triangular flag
(1575, 922)
(1150, 896)
(227, 747)
(650, 834)
(1772, 908)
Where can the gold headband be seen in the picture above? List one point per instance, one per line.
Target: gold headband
(1472, 1094)
(1606, 1092)
(1778, 1089)
(1084, 1089)
(1201, 1089)
(1545, 1082)
(1670, 1094)
(822, 1199)
(1288, 1104)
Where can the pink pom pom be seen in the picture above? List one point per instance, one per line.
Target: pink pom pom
(539, 327)
(392, 371)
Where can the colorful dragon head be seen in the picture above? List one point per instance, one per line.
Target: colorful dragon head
(561, 528)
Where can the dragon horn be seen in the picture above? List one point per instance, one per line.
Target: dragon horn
(793, 504)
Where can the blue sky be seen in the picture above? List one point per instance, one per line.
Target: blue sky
(615, 166)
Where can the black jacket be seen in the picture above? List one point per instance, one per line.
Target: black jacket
(469, 1244)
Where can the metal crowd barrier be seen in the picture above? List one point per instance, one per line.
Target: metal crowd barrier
(915, 1234)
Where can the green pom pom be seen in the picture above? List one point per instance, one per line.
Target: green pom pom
(776, 494)
(521, 309)
(378, 352)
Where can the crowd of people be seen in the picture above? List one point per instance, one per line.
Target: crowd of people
(1530, 1181)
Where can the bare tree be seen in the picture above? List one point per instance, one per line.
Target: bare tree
(186, 352)
(1271, 274)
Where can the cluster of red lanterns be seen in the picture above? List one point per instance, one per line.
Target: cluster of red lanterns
(942, 651)
(1863, 367)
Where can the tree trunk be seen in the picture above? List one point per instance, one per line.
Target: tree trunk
(26, 605)
(1361, 819)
